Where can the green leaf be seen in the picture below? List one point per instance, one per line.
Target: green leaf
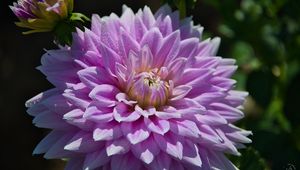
(79, 17)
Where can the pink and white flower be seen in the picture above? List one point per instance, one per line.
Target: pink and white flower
(140, 91)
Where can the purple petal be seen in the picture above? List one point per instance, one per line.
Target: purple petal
(185, 128)
(180, 92)
(191, 154)
(228, 112)
(48, 119)
(82, 142)
(152, 39)
(122, 113)
(48, 141)
(57, 148)
(135, 132)
(158, 126)
(127, 161)
(146, 150)
(161, 161)
(93, 76)
(147, 17)
(128, 43)
(104, 94)
(74, 164)
(170, 144)
(119, 146)
(168, 49)
(108, 131)
(176, 68)
(98, 114)
(96, 159)
(211, 118)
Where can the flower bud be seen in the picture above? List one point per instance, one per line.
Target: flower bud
(41, 15)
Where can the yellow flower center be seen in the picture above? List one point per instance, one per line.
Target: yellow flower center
(148, 89)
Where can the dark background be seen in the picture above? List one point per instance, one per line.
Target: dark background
(263, 36)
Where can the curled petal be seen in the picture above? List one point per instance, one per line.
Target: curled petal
(185, 128)
(93, 76)
(119, 146)
(191, 154)
(136, 132)
(180, 92)
(170, 144)
(146, 150)
(122, 113)
(98, 114)
(157, 125)
(108, 131)
(82, 142)
(104, 94)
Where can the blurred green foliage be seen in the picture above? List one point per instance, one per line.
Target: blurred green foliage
(250, 160)
(264, 37)
(182, 5)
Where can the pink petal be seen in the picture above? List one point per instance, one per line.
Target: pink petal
(128, 43)
(228, 112)
(168, 49)
(211, 118)
(152, 39)
(180, 92)
(176, 68)
(110, 57)
(96, 25)
(76, 113)
(78, 97)
(93, 76)
(104, 94)
(147, 17)
(188, 47)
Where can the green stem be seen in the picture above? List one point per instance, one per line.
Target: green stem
(64, 29)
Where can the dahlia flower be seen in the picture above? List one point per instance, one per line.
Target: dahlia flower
(140, 91)
(41, 15)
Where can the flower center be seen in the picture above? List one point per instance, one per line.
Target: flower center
(148, 89)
